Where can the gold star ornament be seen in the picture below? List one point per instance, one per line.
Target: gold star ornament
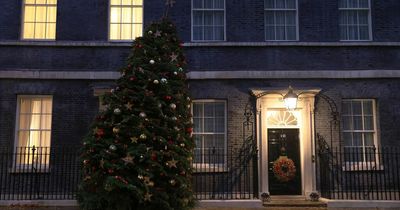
(172, 163)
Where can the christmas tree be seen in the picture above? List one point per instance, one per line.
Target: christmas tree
(138, 153)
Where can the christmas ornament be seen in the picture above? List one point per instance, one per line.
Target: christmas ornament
(172, 182)
(173, 106)
(180, 69)
(129, 106)
(85, 162)
(134, 139)
(110, 171)
(182, 145)
(102, 163)
(172, 163)
(157, 34)
(153, 156)
(176, 128)
(164, 81)
(152, 62)
(174, 57)
(143, 136)
(189, 130)
(99, 131)
(107, 187)
(168, 97)
(155, 81)
(175, 73)
(115, 130)
(174, 118)
(117, 111)
(142, 115)
(140, 69)
(113, 147)
(150, 32)
(284, 169)
(159, 105)
(128, 159)
(147, 197)
(112, 90)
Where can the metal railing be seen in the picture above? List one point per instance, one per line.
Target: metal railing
(39, 173)
(224, 176)
(357, 173)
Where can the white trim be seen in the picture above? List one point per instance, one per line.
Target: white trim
(356, 204)
(229, 204)
(198, 9)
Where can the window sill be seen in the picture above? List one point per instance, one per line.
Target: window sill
(28, 170)
(362, 167)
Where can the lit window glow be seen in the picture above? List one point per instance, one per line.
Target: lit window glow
(40, 18)
(126, 19)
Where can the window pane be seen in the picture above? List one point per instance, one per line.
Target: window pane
(291, 4)
(370, 154)
(126, 15)
(198, 123)
(198, 33)
(368, 139)
(209, 110)
(29, 29)
(40, 1)
(280, 18)
(45, 122)
(357, 139)
(269, 17)
(291, 32)
(220, 109)
(352, 4)
(220, 125)
(269, 4)
(358, 125)
(29, 14)
(51, 31)
(364, 3)
(23, 139)
(29, 1)
(47, 106)
(369, 123)
(348, 139)
(342, 3)
(219, 33)
(209, 125)
(126, 2)
(363, 17)
(219, 18)
(46, 137)
(364, 33)
(25, 105)
(347, 123)
(137, 15)
(219, 4)
(280, 33)
(40, 29)
(208, 18)
(291, 18)
(197, 4)
(115, 31)
(137, 2)
(208, 4)
(137, 30)
(51, 1)
(346, 108)
(115, 2)
(24, 121)
(51, 14)
(356, 107)
(40, 14)
(197, 18)
(280, 4)
(115, 15)
(270, 32)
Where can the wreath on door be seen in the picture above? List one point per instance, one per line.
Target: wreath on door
(284, 169)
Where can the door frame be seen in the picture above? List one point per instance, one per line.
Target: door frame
(272, 100)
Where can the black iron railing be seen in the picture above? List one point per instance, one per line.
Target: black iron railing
(39, 173)
(357, 173)
(224, 176)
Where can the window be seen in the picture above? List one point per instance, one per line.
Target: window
(280, 20)
(209, 118)
(208, 20)
(359, 130)
(126, 19)
(40, 19)
(355, 20)
(33, 130)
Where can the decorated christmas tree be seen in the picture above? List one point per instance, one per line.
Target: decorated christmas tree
(138, 152)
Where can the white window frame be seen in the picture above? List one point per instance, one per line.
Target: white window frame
(27, 167)
(279, 9)
(204, 167)
(370, 38)
(192, 25)
(363, 165)
(109, 21)
(23, 22)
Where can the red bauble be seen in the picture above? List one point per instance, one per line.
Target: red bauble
(168, 97)
(100, 132)
(132, 78)
(138, 46)
(110, 171)
(154, 156)
(189, 130)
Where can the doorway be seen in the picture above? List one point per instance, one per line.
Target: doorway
(284, 169)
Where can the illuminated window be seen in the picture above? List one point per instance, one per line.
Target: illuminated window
(33, 133)
(40, 19)
(126, 19)
(208, 20)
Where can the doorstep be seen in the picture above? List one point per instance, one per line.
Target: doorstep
(293, 203)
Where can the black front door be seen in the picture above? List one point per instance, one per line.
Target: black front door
(284, 170)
